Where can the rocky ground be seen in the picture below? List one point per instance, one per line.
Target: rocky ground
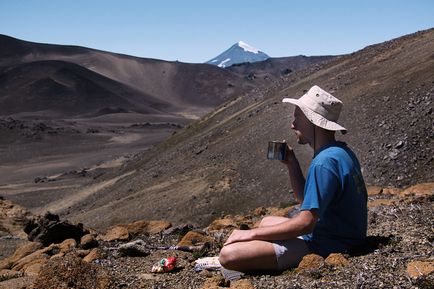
(397, 254)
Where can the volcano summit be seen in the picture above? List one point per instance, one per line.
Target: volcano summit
(240, 52)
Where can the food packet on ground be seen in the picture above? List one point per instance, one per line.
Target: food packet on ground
(164, 265)
(207, 263)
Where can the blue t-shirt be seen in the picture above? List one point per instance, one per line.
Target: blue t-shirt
(336, 189)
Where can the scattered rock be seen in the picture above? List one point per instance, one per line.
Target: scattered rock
(88, 241)
(220, 224)
(94, 254)
(72, 272)
(20, 253)
(124, 232)
(424, 189)
(337, 259)
(260, 211)
(215, 282)
(242, 284)
(9, 274)
(194, 238)
(416, 269)
(280, 212)
(133, 249)
(82, 253)
(116, 233)
(18, 283)
(391, 191)
(374, 190)
(150, 227)
(13, 218)
(34, 268)
(310, 263)
(380, 202)
(180, 230)
(67, 245)
(36, 257)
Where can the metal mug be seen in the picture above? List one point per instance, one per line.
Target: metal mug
(276, 150)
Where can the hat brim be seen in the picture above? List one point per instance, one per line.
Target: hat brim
(316, 118)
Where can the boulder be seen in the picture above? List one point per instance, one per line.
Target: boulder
(49, 229)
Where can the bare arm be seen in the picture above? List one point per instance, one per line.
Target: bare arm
(295, 174)
(302, 224)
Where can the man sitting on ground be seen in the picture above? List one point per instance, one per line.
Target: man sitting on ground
(333, 198)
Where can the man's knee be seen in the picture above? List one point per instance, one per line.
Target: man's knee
(228, 256)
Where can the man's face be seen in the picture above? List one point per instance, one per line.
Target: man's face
(302, 127)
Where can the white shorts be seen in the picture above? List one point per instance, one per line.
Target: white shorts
(289, 253)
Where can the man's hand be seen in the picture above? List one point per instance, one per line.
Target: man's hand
(290, 158)
(239, 236)
(295, 173)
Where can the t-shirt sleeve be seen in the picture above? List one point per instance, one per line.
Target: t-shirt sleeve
(321, 187)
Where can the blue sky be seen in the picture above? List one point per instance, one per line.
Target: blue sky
(197, 30)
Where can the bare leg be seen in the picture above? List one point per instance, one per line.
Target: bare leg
(248, 256)
(260, 255)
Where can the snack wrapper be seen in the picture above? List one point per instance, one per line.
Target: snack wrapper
(164, 265)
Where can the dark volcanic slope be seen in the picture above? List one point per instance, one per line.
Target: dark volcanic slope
(187, 87)
(68, 89)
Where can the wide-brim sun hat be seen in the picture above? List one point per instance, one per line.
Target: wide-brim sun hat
(320, 107)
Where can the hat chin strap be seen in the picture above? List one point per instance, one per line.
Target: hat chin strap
(314, 138)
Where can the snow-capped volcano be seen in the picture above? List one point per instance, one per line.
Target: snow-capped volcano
(238, 53)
